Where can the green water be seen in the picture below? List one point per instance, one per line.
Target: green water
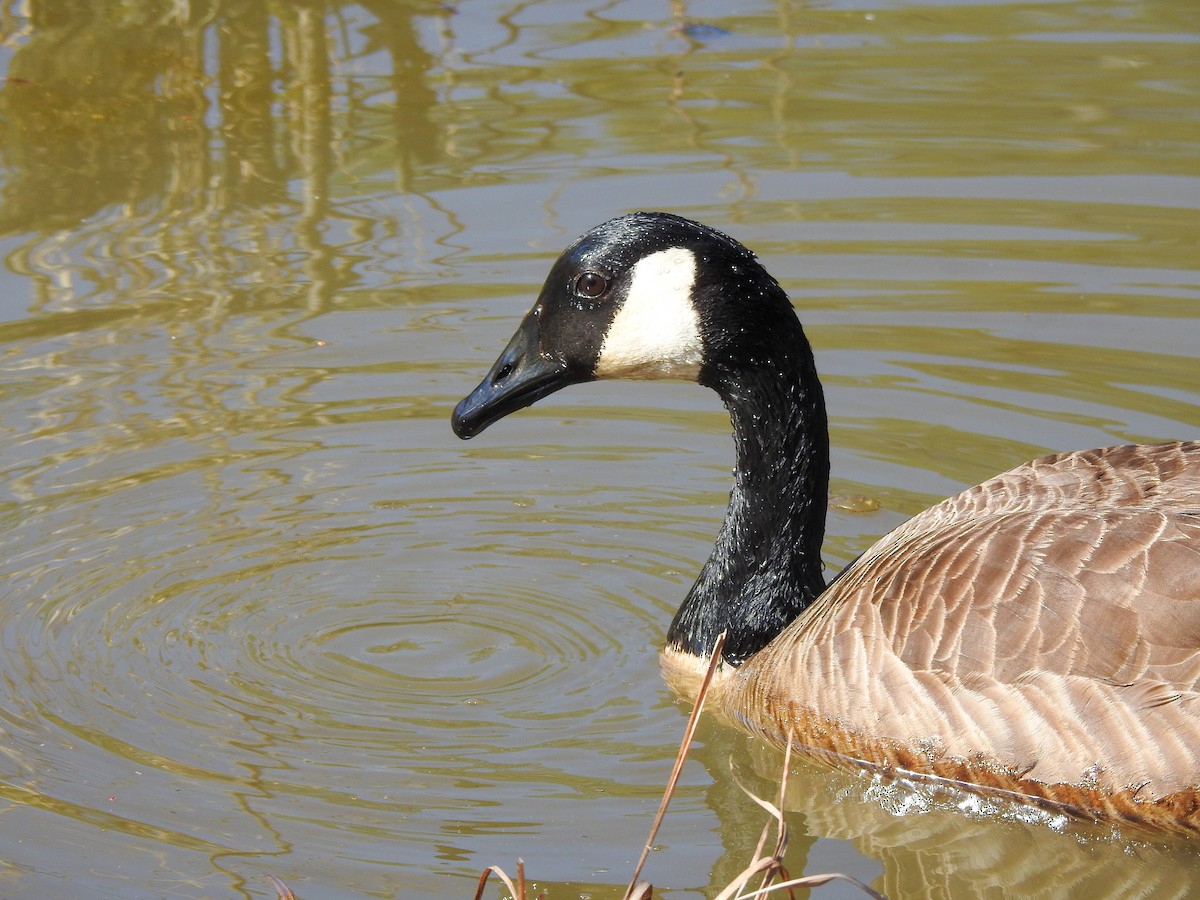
(262, 613)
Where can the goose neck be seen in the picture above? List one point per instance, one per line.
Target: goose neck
(765, 568)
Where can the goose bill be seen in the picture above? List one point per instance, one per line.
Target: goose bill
(519, 378)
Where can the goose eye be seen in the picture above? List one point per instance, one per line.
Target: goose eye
(590, 285)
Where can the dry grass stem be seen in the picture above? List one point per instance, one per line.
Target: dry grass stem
(684, 745)
(771, 867)
(518, 890)
(811, 881)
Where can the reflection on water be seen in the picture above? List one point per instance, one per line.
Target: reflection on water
(262, 613)
(929, 844)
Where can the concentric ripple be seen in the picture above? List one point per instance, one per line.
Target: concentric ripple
(275, 646)
(199, 649)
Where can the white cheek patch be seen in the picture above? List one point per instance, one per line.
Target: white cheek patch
(656, 332)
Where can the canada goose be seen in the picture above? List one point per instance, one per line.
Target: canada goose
(1037, 636)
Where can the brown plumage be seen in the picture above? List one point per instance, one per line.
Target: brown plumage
(1036, 636)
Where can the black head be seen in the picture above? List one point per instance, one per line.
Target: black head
(646, 295)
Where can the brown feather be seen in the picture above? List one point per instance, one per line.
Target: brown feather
(1037, 635)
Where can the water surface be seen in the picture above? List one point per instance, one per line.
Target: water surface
(262, 613)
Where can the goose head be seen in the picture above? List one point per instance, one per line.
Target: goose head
(645, 295)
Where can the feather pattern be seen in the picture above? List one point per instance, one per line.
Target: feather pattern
(1038, 633)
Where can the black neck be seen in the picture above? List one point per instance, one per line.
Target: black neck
(766, 566)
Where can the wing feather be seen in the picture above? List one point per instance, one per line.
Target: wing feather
(1047, 620)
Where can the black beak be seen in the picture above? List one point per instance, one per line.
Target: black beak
(519, 378)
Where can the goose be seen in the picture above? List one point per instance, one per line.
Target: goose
(1036, 637)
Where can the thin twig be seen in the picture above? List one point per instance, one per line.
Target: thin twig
(768, 865)
(734, 889)
(781, 840)
(685, 744)
(814, 881)
(772, 866)
(499, 873)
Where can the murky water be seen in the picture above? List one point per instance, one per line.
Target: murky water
(262, 613)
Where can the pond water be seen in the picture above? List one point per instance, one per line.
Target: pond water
(263, 613)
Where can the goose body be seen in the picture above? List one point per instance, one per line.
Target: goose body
(1037, 635)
